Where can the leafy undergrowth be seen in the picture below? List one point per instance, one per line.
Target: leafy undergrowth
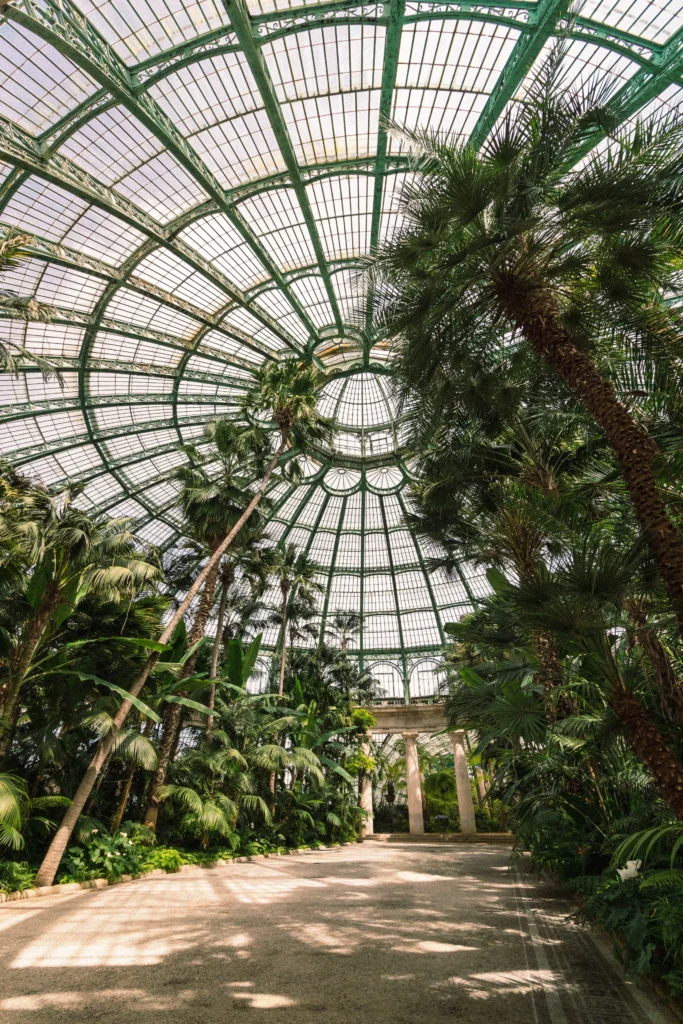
(643, 910)
(644, 915)
(133, 853)
(15, 876)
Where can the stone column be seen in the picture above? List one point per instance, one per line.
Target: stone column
(414, 789)
(462, 779)
(368, 826)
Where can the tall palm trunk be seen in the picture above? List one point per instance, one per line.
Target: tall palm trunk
(536, 314)
(283, 656)
(661, 670)
(123, 799)
(128, 785)
(650, 746)
(11, 692)
(283, 666)
(551, 673)
(173, 712)
(227, 578)
(61, 838)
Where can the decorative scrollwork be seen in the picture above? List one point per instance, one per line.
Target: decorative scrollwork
(294, 21)
(166, 63)
(469, 10)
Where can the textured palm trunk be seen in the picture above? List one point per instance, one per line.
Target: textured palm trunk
(550, 674)
(650, 746)
(123, 800)
(173, 713)
(227, 578)
(661, 671)
(536, 314)
(283, 666)
(11, 692)
(60, 840)
(283, 657)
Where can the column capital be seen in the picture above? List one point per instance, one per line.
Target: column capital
(410, 735)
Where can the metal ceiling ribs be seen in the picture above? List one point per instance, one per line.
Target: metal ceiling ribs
(61, 24)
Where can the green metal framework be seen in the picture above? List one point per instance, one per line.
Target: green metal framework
(200, 184)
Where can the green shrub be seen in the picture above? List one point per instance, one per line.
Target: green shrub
(646, 915)
(102, 856)
(557, 844)
(15, 876)
(164, 857)
(362, 719)
(138, 833)
(360, 764)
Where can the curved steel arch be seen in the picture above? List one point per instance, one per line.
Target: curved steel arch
(657, 65)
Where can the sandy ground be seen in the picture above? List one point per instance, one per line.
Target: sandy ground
(374, 933)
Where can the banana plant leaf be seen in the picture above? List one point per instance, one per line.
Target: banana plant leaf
(187, 703)
(135, 701)
(333, 766)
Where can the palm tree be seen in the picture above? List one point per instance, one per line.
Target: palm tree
(213, 783)
(136, 750)
(511, 248)
(17, 810)
(343, 627)
(69, 554)
(503, 502)
(211, 505)
(293, 571)
(249, 564)
(579, 602)
(13, 252)
(289, 390)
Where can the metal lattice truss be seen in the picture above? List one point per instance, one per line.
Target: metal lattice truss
(200, 180)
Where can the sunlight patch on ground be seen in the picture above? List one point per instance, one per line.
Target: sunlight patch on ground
(266, 890)
(264, 1000)
(497, 983)
(342, 941)
(75, 1000)
(427, 946)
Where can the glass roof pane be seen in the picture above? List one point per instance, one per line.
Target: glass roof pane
(653, 19)
(37, 83)
(176, 284)
(147, 27)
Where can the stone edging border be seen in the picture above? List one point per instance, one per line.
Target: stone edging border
(104, 883)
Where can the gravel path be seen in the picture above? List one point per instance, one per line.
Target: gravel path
(370, 934)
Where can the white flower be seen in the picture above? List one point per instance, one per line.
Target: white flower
(94, 831)
(124, 835)
(130, 842)
(630, 871)
(118, 854)
(107, 855)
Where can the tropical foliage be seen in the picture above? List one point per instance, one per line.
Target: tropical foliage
(82, 611)
(530, 301)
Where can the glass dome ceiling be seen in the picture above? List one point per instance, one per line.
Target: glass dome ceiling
(199, 180)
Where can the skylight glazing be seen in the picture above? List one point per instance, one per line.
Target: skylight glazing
(199, 181)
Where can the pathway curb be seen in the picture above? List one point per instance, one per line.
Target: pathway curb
(104, 883)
